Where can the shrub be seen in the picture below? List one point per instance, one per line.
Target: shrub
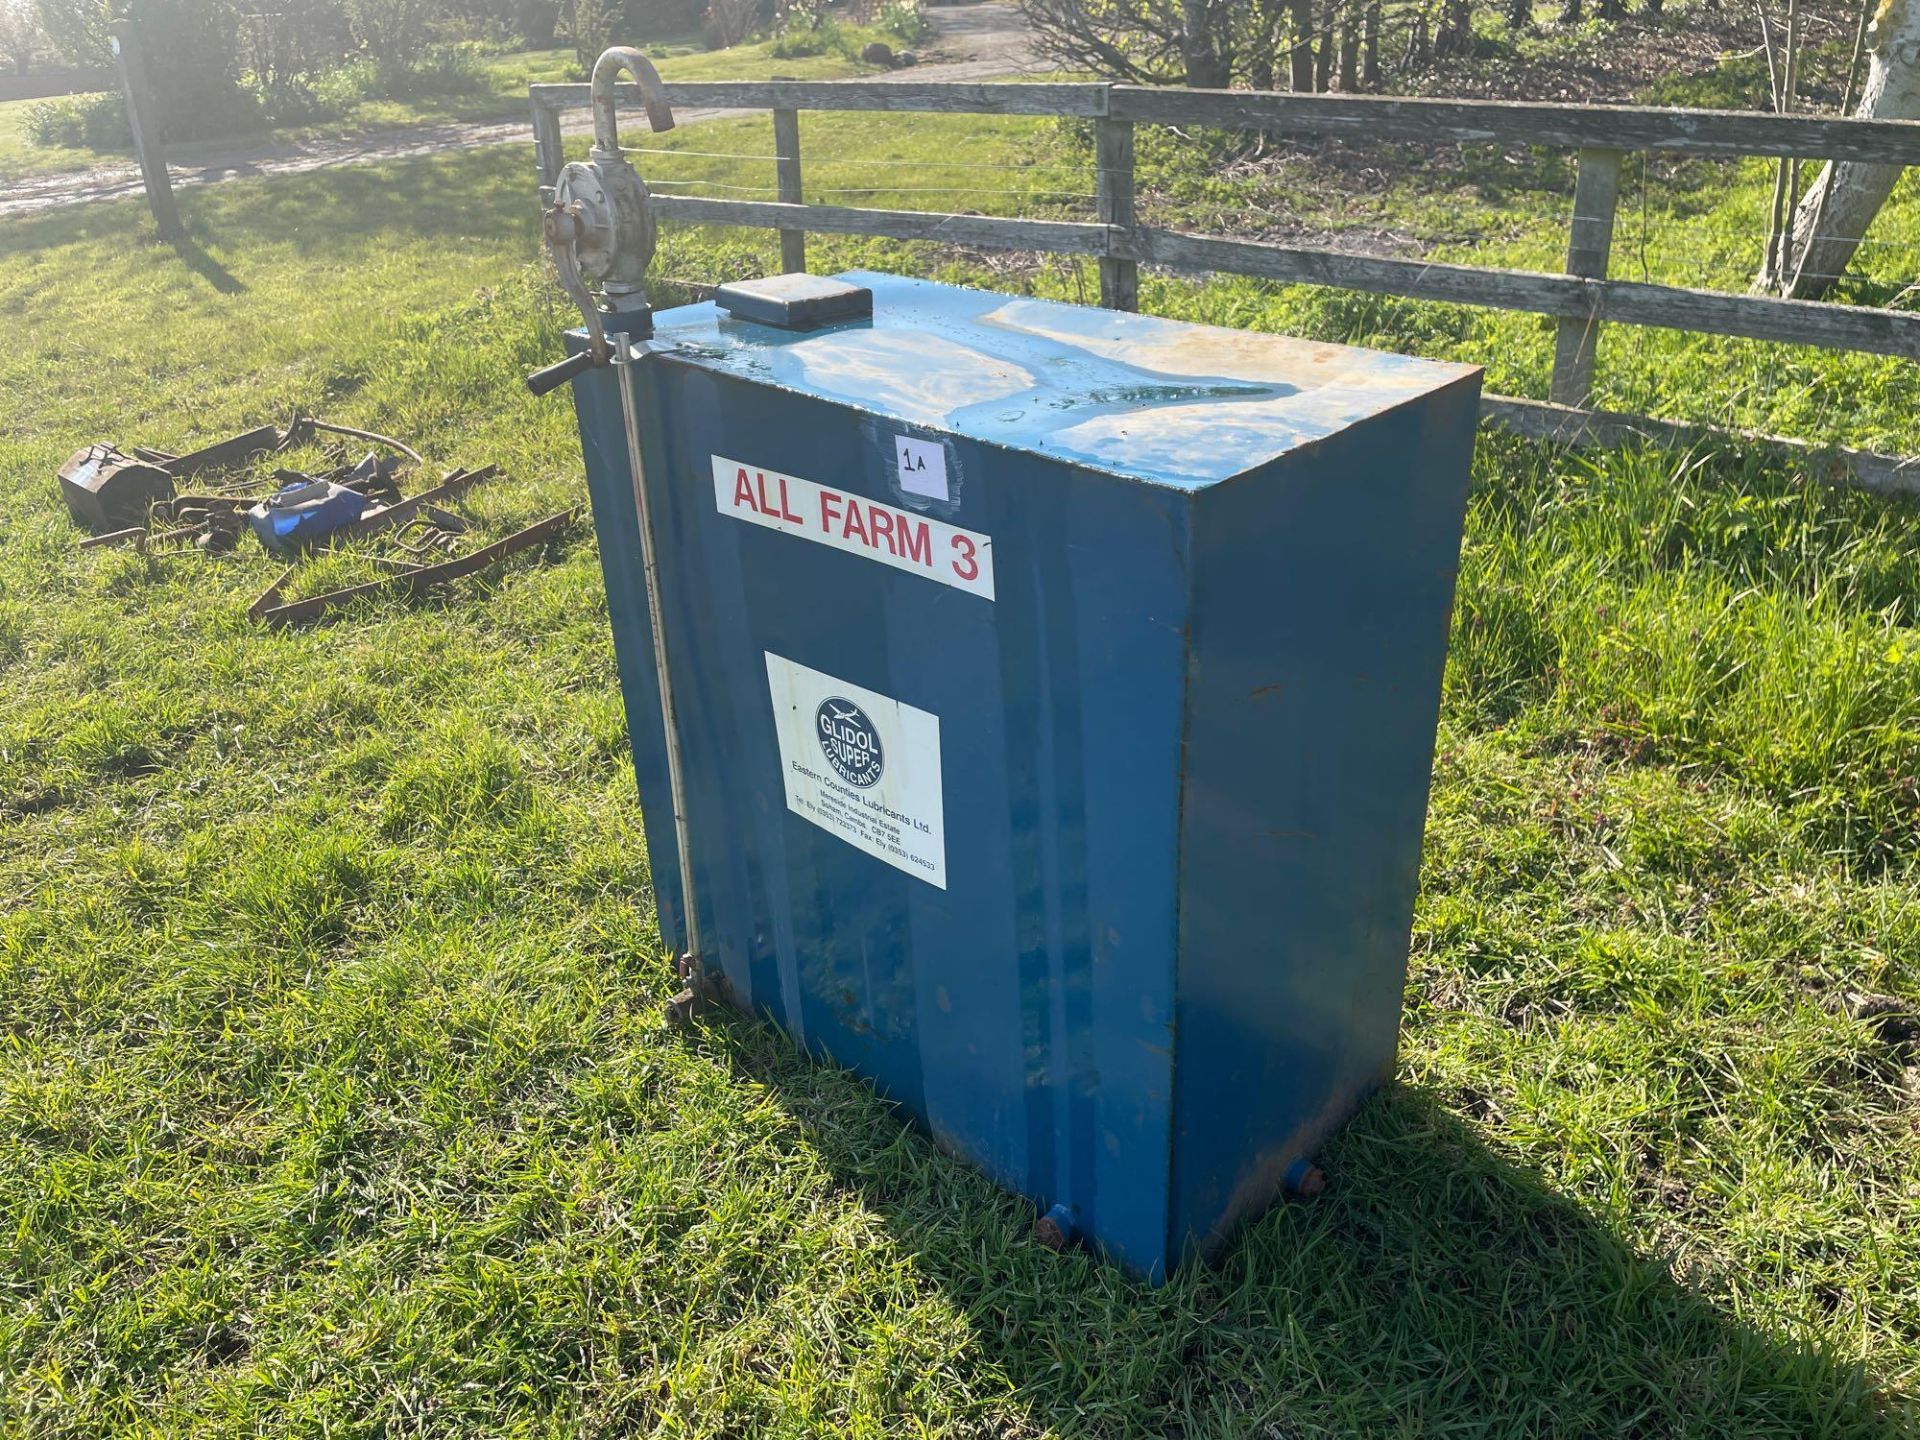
(282, 47)
(90, 122)
(731, 22)
(192, 55)
(338, 90)
(296, 100)
(442, 70)
(905, 20)
(535, 21)
(392, 32)
(597, 24)
(813, 35)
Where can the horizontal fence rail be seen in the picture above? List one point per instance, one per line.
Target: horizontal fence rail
(1580, 300)
(1722, 133)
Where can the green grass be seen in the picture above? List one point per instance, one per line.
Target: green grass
(335, 1096)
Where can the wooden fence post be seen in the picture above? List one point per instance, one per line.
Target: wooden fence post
(124, 35)
(1113, 187)
(786, 163)
(549, 153)
(1596, 195)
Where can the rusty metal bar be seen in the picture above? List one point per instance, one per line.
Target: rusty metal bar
(315, 606)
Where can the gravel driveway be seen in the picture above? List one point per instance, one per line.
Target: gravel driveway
(971, 42)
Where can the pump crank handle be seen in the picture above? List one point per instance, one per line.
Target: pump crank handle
(552, 377)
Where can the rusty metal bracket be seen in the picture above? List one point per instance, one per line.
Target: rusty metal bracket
(134, 535)
(412, 581)
(403, 511)
(700, 987)
(223, 454)
(264, 602)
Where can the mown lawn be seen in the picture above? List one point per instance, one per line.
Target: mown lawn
(336, 1098)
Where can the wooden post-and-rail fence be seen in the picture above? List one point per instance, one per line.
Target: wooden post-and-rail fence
(1580, 300)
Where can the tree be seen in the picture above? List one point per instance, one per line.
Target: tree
(1300, 44)
(731, 22)
(193, 55)
(535, 22)
(77, 29)
(285, 45)
(1147, 42)
(596, 25)
(532, 21)
(1456, 28)
(19, 34)
(1833, 218)
(393, 32)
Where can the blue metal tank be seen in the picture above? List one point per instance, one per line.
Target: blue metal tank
(1057, 691)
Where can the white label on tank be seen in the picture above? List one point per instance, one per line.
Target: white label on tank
(861, 766)
(923, 466)
(855, 524)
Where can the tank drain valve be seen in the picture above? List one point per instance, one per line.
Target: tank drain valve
(1056, 1229)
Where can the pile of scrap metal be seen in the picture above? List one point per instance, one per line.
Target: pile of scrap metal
(134, 499)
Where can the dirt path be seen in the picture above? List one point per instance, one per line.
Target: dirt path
(971, 42)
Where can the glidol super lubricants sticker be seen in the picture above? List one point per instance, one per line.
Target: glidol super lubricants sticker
(861, 766)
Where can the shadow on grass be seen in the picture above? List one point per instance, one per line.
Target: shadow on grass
(206, 267)
(1435, 1288)
(342, 213)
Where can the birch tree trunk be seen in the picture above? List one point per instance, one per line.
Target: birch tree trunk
(1832, 219)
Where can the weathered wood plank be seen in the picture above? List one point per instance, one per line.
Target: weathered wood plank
(786, 165)
(136, 87)
(1755, 317)
(1760, 317)
(1614, 127)
(1114, 205)
(942, 96)
(1565, 425)
(1723, 133)
(1057, 236)
(549, 152)
(1380, 117)
(1596, 195)
(1415, 279)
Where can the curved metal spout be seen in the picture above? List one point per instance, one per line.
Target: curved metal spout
(606, 71)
